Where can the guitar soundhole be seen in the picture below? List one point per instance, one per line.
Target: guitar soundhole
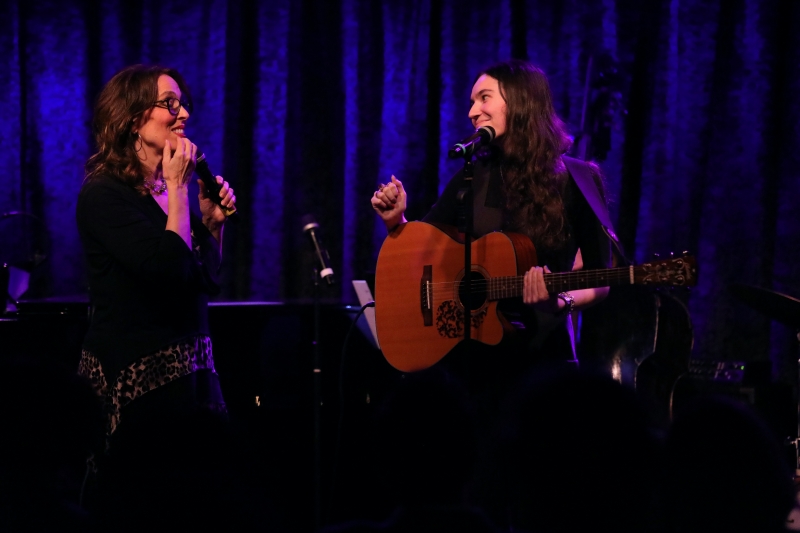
(450, 313)
(477, 295)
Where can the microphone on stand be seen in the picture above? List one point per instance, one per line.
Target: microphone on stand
(465, 148)
(310, 228)
(210, 181)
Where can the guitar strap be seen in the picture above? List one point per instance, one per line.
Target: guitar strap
(585, 181)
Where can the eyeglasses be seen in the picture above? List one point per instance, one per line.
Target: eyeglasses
(173, 105)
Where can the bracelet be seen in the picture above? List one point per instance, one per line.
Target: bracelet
(569, 303)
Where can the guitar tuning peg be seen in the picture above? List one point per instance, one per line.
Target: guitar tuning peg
(656, 256)
(685, 253)
(671, 255)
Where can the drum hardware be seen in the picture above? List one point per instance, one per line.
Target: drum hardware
(786, 310)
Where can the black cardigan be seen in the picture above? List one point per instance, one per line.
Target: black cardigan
(147, 288)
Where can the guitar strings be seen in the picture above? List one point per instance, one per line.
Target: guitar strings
(496, 288)
(557, 278)
(519, 279)
(446, 290)
(625, 271)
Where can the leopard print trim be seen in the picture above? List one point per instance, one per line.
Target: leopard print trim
(145, 374)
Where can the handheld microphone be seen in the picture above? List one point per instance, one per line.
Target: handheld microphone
(210, 181)
(465, 148)
(310, 228)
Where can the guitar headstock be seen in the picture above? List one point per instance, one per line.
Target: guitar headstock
(672, 272)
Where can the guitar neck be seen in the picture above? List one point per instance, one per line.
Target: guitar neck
(511, 286)
(589, 279)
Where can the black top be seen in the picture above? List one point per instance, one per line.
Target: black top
(147, 289)
(543, 331)
(583, 229)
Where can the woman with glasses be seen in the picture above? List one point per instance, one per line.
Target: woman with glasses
(152, 267)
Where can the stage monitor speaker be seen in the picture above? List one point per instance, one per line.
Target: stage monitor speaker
(748, 382)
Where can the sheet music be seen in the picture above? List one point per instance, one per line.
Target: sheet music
(364, 295)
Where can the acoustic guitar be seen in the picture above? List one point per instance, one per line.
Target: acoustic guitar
(420, 288)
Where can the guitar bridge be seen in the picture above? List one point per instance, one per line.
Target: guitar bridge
(426, 295)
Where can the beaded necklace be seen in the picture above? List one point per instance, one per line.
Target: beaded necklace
(155, 187)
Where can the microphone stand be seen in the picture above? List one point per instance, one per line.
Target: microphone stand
(465, 225)
(464, 203)
(317, 369)
(309, 226)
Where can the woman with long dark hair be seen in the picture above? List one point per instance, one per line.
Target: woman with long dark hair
(152, 267)
(521, 184)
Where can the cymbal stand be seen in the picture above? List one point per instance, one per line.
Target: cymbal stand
(796, 441)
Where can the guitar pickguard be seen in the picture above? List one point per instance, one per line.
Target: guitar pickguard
(450, 319)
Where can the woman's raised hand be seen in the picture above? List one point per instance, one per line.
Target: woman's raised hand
(389, 201)
(177, 168)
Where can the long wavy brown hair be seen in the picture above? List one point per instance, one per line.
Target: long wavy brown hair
(123, 104)
(535, 139)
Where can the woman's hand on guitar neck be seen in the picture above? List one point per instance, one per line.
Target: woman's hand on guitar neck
(534, 291)
(389, 201)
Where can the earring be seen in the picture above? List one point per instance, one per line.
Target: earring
(141, 142)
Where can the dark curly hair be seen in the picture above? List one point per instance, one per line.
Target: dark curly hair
(535, 139)
(124, 101)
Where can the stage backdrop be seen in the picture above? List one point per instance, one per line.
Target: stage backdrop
(305, 106)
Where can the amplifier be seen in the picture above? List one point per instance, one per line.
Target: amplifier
(740, 372)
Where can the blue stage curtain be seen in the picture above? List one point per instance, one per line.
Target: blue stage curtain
(306, 106)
